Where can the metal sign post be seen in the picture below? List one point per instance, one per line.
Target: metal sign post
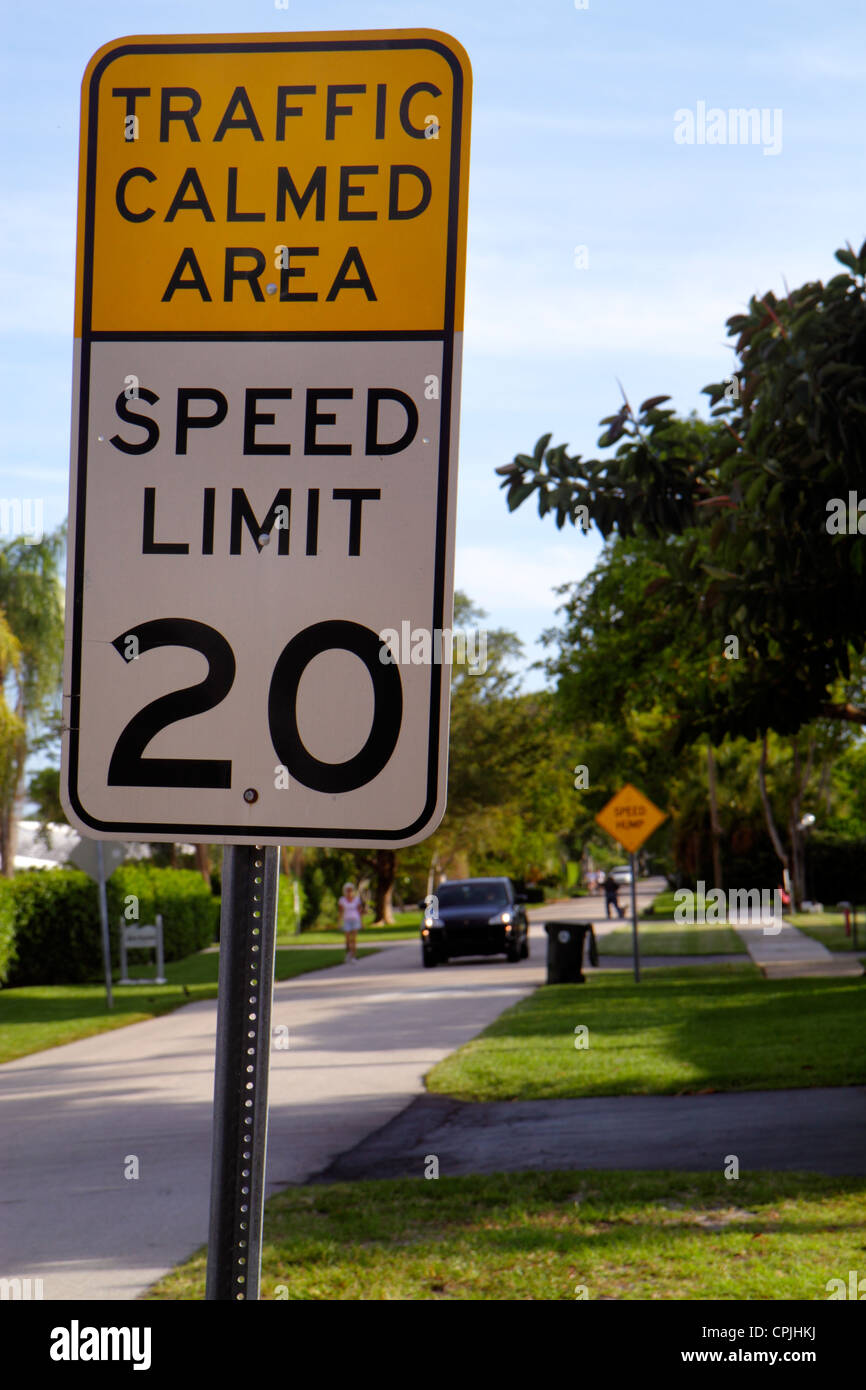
(634, 943)
(98, 859)
(630, 817)
(103, 914)
(248, 929)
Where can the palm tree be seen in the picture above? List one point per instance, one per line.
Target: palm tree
(31, 654)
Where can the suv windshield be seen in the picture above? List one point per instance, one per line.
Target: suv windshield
(471, 894)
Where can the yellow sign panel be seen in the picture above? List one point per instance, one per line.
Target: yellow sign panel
(630, 817)
(270, 184)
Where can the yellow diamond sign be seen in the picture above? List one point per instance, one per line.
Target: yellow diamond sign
(630, 817)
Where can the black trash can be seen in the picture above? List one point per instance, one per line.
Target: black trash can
(565, 942)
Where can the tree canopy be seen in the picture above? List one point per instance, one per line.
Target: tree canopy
(740, 514)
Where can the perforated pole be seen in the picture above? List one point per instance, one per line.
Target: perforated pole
(103, 918)
(248, 927)
(634, 941)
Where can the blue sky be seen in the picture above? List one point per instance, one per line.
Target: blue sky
(572, 146)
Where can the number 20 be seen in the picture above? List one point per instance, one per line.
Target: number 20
(128, 768)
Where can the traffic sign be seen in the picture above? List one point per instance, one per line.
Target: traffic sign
(268, 342)
(630, 817)
(86, 856)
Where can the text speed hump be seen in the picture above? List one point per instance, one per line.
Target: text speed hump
(269, 302)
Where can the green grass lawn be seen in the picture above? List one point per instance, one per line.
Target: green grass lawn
(682, 1030)
(661, 906)
(829, 929)
(40, 1016)
(671, 939)
(407, 926)
(664, 905)
(621, 1235)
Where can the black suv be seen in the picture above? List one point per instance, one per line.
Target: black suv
(474, 917)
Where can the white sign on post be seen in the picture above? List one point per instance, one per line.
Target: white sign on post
(269, 316)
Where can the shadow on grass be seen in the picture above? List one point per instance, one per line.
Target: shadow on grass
(729, 1029)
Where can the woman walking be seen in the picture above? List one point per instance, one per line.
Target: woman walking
(350, 919)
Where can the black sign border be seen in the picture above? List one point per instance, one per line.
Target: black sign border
(259, 833)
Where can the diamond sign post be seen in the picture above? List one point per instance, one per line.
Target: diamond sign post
(630, 817)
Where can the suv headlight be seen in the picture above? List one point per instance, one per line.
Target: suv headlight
(499, 919)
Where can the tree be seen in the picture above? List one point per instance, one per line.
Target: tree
(386, 873)
(510, 795)
(621, 650)
(750, 499)
(801, 767)
(625, 655)
(493, 740)
(323, 873)
(31, 600)
(12, 729)
(44, 791)
(203, 861)
(843, 794)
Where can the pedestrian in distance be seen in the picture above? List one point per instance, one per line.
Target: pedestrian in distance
(351, 907)
(611, 889)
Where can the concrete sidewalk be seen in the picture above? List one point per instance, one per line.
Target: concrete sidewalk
(788, 953)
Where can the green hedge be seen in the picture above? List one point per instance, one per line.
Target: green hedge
(56, 928)
(322, 879)
(190, 912)
(7, 929)
(320, 899)
(57, 937)
(286, 919)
